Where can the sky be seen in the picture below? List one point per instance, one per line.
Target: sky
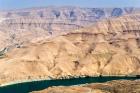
(18, 4)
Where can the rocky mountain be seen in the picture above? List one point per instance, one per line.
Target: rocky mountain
(110, 47)
(25, 25)
(123, 86)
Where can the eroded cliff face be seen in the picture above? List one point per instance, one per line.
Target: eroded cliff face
(123, 86)
(21, 26)
(110, 47)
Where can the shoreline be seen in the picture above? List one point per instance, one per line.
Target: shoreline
(49, 79)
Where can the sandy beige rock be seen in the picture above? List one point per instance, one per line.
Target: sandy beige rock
(105, 48)
(32, 24)
(123, 86)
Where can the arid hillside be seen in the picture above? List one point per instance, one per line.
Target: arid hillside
(109, 47)
(123, 86)
(26, 25)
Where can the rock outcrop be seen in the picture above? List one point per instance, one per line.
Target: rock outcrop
(25, 25)
(123, 86)
(110, 47)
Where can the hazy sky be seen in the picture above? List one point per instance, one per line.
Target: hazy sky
(15, 4)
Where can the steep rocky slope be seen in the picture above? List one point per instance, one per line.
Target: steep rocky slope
(24, 25)
(110, 47)
(123, 86)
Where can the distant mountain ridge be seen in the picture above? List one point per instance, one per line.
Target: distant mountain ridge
(66, 12)
(110, 47)
(25, 25)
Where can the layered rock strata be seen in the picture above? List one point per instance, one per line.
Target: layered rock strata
(110, 47)
(25, 25)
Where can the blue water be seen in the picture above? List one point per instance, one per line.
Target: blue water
(40, 85)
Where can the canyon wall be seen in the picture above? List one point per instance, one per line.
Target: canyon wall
(24, 25)
(110, 47)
